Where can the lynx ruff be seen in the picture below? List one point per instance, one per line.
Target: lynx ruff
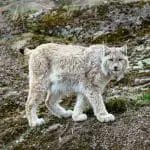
(59, 70)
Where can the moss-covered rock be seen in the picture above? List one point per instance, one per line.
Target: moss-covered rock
(117, 105)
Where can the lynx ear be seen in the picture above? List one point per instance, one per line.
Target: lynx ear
(106, 50)
(124, 50)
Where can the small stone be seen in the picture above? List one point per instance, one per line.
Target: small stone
(35, 15)
(98, 34)
(22, 42)
(52, 128)
(19, 44)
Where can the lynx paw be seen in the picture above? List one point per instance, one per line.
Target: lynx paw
(106, 118)
(80, 117)
(37, 122)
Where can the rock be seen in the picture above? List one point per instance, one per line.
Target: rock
(38, 4)
(98, 34)
(52, 128)
(22, 41)
(37, 14)
(141, 81)
(19, 44)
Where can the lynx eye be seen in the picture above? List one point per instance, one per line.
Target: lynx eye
(110, 59)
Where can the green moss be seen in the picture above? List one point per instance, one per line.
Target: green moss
(117, 37)
(140, 3)
(33, 27)
(121, 35)
(56, 18)
(113, 105)
(52, 20)
(117, 105)
(102, 10)
(38, 39)
(143, 100)
(144, 31)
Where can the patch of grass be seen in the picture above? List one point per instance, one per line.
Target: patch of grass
(144, 100)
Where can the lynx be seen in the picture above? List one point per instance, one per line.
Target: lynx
(62, 69)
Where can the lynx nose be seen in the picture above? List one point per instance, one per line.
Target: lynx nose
(115, 68)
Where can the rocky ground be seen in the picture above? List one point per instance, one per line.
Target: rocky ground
(78, 22)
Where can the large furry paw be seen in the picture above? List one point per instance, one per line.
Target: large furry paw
(37, 122)
(106, 118)
(68, 113)
(80, 117)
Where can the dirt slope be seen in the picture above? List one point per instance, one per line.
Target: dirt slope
(114, 23)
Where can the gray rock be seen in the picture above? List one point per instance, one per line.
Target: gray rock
(22, 41)
(141, 81)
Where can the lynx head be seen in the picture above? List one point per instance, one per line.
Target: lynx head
(114, 61)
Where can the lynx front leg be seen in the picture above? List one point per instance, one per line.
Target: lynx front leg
(98, 105)
(78, 114)
(52, 103)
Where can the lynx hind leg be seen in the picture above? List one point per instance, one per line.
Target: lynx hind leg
(52, 103)
(38, 70)
(78, 114)
(32, 103)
